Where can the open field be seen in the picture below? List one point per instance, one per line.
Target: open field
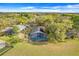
(69, 48)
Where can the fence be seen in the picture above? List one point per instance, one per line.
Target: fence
(5, 49)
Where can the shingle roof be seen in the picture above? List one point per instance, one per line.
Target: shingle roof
(6, 29)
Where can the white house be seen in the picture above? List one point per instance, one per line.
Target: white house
(21, 27)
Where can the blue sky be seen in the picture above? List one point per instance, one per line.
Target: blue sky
(40, 7)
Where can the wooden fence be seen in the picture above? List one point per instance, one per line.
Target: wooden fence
(4, 50)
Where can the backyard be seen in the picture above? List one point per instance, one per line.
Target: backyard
(68, 48)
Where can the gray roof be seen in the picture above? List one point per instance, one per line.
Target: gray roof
(6, 29)
(36, 32)
(2, 44)
(38, 28)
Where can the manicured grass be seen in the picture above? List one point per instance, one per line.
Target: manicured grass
(69, 48)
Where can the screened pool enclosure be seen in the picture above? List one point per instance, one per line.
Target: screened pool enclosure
(38, 35)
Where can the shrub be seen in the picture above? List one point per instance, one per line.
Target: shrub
(12, 39)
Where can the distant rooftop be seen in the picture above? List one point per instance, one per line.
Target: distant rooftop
(6, 29)
(22, 27)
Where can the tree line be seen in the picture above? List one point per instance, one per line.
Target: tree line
(58, 26)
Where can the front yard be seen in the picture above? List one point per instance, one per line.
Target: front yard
(69, 48)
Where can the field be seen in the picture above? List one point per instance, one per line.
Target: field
(69, 48)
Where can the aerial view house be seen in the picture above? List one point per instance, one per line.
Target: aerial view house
(39, 29)
(38, 35)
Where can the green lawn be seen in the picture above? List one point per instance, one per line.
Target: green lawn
(69, 48)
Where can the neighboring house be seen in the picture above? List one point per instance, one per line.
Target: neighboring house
(21, 27)
(71, 33)
(8, 31)
(22, 31)
(38, 34)
(78, 34)
(2, 44)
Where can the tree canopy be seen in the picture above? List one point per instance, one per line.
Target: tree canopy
(56, 24)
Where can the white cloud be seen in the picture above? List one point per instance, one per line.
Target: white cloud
(63, 9)
(76, 6)
(73, 6)
(41, 10)
(29, 7)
